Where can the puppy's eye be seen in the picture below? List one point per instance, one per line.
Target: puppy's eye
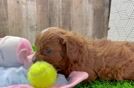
(47, 51)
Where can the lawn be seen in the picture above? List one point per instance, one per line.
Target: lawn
(107, 84)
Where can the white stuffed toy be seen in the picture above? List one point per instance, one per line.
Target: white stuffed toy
(15, 51)
(15, 56)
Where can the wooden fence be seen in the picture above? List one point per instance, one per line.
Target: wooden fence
(27, 17)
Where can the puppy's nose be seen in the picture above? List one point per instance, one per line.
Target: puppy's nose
(34, 59)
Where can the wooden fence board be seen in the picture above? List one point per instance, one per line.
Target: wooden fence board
(15, 24)
(3, 18)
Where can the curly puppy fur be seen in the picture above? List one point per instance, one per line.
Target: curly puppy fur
(103, 59)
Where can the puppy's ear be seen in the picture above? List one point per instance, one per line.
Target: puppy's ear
(74, 48)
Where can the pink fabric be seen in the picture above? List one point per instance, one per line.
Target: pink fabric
(19, 86)
(25, 44)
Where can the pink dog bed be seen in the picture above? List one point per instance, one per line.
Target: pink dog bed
(19, 86)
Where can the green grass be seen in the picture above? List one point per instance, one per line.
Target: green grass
(34, 48)
(107, 84)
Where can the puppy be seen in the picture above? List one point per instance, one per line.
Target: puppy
(103, 59)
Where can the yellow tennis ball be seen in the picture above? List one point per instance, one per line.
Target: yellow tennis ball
(42, 75)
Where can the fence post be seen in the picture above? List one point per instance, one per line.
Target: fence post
(3, 18)
(101, 13)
